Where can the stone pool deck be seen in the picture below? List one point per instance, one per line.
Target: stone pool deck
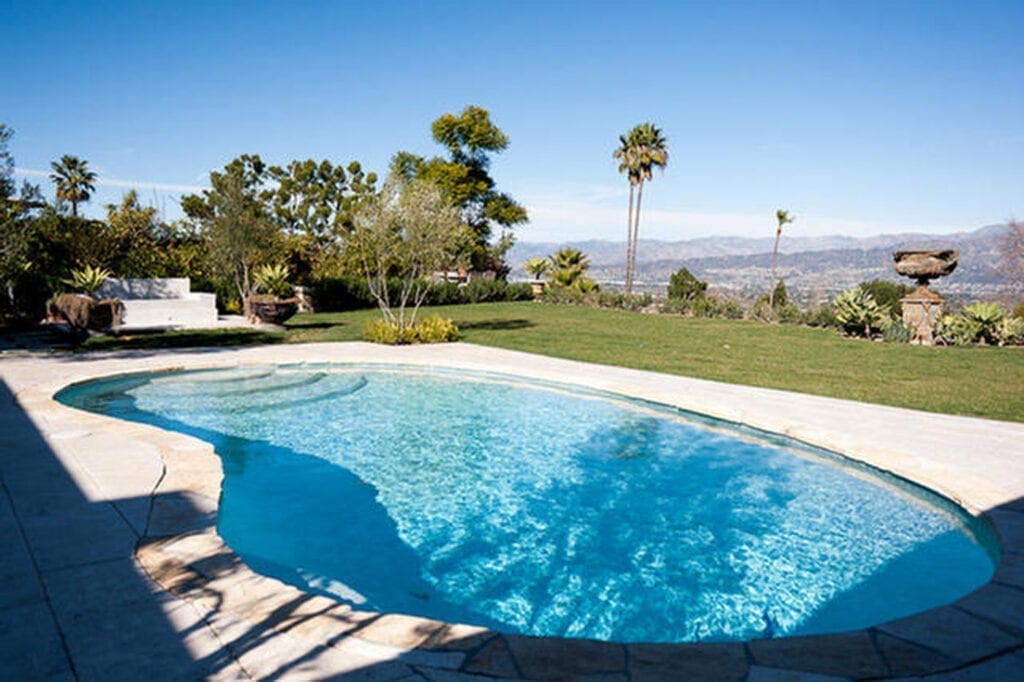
(111, 567)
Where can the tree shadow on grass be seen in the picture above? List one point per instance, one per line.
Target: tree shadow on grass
(161, 340)
(314, 325)
(498, 324)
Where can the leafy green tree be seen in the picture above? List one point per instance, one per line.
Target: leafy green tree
(780, 297)
(132, 234)
(640, 150)
(569, 269)
(318, 199)
(887, 294)
(465, 181)
(782, 218)
(21, 290)
(74, 181)
(236, 221)
(685, 286)
(314, 206)
(407, 231)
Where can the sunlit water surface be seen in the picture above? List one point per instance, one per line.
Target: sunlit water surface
(537, 510)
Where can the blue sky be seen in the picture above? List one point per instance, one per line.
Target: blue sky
(859, 117)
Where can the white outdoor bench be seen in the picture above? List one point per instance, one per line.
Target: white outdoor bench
(165, 303)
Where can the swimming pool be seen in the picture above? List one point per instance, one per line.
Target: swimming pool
(543, 510)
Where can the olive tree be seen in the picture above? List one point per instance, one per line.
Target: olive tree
(401, 237)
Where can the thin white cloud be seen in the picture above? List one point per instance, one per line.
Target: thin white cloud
(112, 182)
(578, 213)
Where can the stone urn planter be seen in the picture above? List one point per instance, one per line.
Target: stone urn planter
(922, 308)
(270, 309)
(538, 287)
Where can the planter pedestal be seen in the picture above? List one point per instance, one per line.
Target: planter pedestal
(921, 311)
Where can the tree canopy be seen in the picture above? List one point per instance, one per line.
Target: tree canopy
(465, 182)
(640, 150)
(235, 219)
(74, 181)
(406, 232)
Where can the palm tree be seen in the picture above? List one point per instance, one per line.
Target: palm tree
(626, 154)
(782, 217)
(569, 269)
(642, 148)
(74, 180)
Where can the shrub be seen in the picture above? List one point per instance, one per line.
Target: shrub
(337, 294)
(352, 293)
(824, 316)
(1018, 310)
(596, 298)
(684, 286)
(436, 329)
(675, 306)
(896, 332)
(859, 313)
(433, 329)
(703, 306)
(780, 297)
(887, 294)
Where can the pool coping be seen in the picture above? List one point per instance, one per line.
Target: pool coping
(976, 463)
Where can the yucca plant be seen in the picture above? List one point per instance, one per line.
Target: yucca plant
(859, 313)
(87, 280)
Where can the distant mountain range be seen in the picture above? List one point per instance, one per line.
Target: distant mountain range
(815, 266)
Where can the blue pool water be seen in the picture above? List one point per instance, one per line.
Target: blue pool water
(541, 510)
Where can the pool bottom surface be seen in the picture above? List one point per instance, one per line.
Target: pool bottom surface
(544, 512)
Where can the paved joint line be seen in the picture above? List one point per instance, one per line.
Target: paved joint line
(1017, 588)
(39, 577)
(1002, 627)
(471, 653)
(873, 638)
(512, 657)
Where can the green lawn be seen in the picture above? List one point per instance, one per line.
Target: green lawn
(978, 381)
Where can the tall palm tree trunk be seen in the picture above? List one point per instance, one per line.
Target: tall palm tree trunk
(629, 240)
(775, 258)
(635, 236)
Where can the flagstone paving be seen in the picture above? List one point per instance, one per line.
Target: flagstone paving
(111, 567)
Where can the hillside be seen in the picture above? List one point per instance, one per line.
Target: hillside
(816, 266)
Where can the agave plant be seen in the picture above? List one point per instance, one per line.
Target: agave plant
(1010, 331)
(273, 280)
(88, 279)
(986, 317)
(957, 330)
(859, 313)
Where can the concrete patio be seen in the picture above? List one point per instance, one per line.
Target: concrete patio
(111, 567)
